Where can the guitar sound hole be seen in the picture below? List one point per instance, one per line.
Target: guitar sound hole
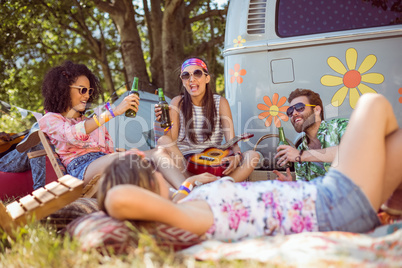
(206, 158)
(215, 154)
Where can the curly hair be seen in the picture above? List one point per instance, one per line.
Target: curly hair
(313, 97)
(56, 86)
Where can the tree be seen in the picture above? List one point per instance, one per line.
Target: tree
(80, 20)
(170, 34)
(122, 13)
(149, 43)
(37, 35)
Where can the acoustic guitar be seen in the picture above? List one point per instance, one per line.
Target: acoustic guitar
(210, 160)
(15, 138)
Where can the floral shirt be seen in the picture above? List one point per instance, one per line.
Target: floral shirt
(254, 209)
(329, 134)
(70, 138)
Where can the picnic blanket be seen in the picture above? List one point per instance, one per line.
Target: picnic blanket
(381, 247)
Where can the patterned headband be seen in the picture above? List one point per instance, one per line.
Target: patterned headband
(194, 61)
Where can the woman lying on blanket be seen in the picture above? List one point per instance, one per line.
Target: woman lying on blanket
(83, 144)
(367, 172)
(200, 120)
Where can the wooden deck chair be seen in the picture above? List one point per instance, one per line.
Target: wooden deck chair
(40, 203)
(60, 170)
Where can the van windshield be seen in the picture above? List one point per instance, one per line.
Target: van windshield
(303, 17)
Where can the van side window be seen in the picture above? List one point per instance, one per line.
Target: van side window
(303, 17)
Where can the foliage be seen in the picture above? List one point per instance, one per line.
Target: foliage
(36, 35)
(39, 34)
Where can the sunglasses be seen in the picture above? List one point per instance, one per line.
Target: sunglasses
(84, 90)
(197, 74)
(299, 107)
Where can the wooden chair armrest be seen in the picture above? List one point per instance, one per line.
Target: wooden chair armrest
(40, 203)
(91, 188)
(37, 154)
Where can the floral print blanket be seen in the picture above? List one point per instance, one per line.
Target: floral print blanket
(381, 247)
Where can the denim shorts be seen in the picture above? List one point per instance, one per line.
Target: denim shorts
(78, 166)
(342, 206)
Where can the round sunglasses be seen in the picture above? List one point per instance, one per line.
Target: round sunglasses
(84, 90)
(299, 107)
(197, 74)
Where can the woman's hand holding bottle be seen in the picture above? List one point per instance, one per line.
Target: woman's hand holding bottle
(132, 101)
(158, 112)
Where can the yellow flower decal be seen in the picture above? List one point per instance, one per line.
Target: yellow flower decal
(239, 41)
(274, 110)
(351, 78)
(237, 74)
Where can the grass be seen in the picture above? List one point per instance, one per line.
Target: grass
(39, 245)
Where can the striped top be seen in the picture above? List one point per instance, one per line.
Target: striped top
(185, 145)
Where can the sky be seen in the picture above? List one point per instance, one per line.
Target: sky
(221, 2)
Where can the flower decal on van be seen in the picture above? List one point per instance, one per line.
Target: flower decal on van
(351, 78)
(239, 41)
(400, 92)
(273, 110)
(237, 74)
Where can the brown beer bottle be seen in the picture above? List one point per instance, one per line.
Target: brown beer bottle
(165, 117)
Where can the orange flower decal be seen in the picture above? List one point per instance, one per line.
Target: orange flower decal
(274, 110)
(237, 74)
(400, 92)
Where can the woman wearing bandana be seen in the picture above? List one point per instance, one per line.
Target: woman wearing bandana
(200, 120)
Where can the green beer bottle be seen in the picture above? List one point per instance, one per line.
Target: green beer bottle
(134, 90)
(165, 117)
(283, 141)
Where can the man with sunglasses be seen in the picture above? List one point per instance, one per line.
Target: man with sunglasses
(320, 140)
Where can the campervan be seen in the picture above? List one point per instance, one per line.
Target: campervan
(338, 48)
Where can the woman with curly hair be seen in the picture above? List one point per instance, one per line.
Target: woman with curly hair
(201, 120)
(83, 144)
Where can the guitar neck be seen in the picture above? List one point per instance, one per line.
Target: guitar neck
(230, 143)
(13, 137)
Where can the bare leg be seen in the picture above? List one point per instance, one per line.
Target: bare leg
(166, 166)
(393, 170)
(242, 172)
(174, 152)
(364, 150)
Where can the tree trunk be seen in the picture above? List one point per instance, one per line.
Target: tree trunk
(172, 44)
(157, 68)
(122, 13)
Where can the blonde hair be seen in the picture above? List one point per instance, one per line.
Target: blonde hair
(127, 169)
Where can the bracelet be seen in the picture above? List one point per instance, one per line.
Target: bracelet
(180, 191)
(109, 109)
(188, 185)
(104, 117)
(175, 193)
(298, 158)
(185, 189)
(96, 120)
(241, 155)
